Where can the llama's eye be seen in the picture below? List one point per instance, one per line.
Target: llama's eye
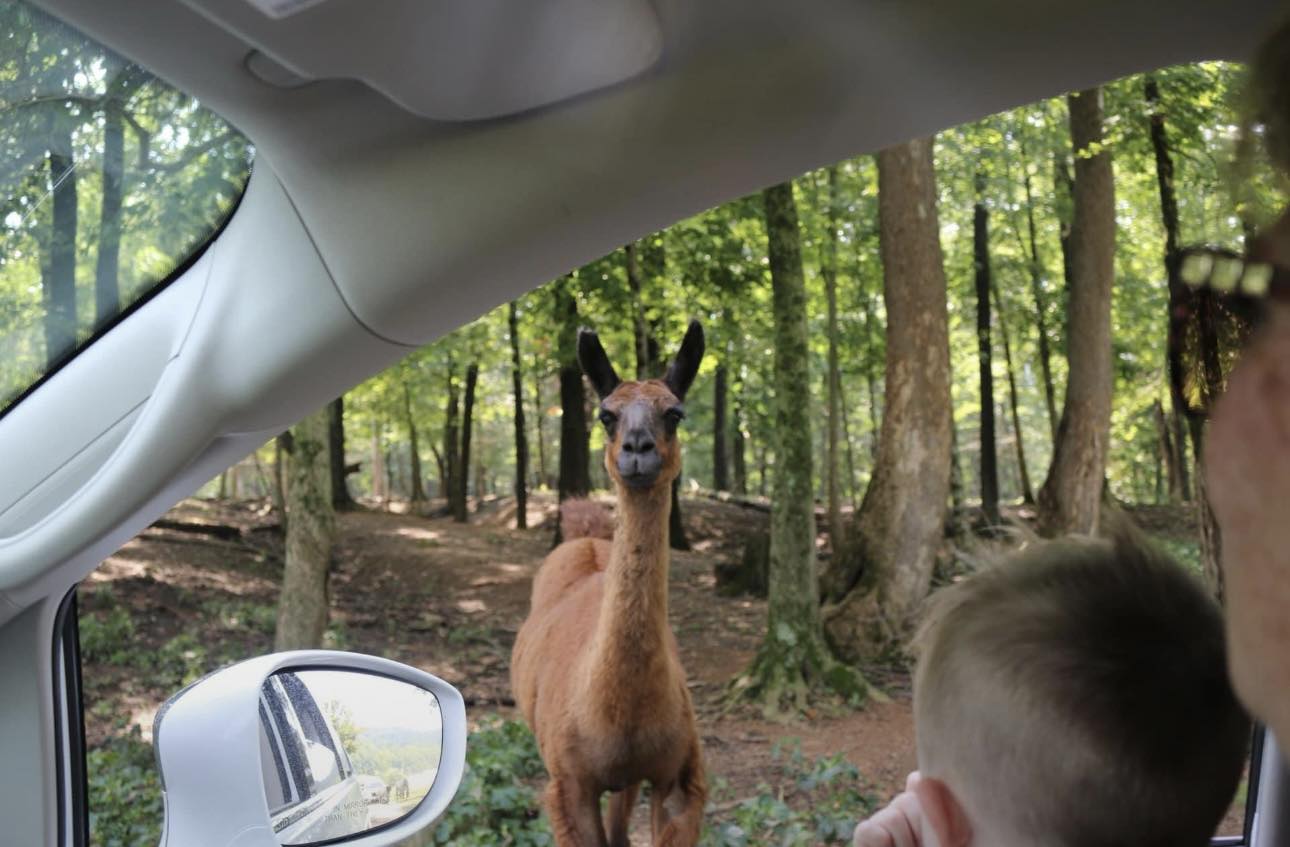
(674, 416)
(608, 418)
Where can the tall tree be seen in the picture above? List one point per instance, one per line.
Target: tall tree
(302, 603)
(416, 489)
(1177, 462)
(459, 511)
(341, 499)
(1023, 474)
(985, 357)
(120, 88)
(521, 434)
(641, 333)
(380, 490)
(1070, 498)
(575, 475)
(543, 477)
(793, 657)
(59, 285)
(720, 468)
(1036, 266)
(451, 443)
(829, 270)
(885, 569)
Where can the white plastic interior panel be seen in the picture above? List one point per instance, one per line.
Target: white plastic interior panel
(99, 392)
(268, 341)
(453, 60)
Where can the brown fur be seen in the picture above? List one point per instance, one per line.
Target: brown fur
(596, 669)
(581, 518)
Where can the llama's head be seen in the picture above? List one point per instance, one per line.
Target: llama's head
(641, 418)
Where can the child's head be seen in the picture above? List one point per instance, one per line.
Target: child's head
(1076, 695)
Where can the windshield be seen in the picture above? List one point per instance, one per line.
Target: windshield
(110, 180)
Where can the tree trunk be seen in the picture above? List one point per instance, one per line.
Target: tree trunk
(521, 435)
(59, 288)
(738, 443)
(1070, 498)
(676, 538)
(1037, 291)
(575, 476)
(380, 491)
(340, 496)
(1168, 453)
(459, 511)
(106, 270)
(792, 658)
(302, 604)
(1211, 539)
(985, 356)
(416, 490)
(1179, 484)
(451, 441)
(720, 470)
(1064, 188)
(544, 480)
(828, 269)
(885, 568)
(1023, 474)
(640, 327)
(222, 494)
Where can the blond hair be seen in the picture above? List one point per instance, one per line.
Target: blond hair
(1076, 694)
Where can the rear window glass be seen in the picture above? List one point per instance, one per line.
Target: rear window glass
(109, 178)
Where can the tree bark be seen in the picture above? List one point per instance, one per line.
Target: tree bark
(828, 269)
(544, 480)
(106, 271)
(521, 434)
(459, 510)
(302, 604)
(792, 658)
(380, 491)
(738, 445)
(59, 288)
(1023, 474)
(416, 490)
(1179, 484)
(341, 499)
(1168, 454)
(1070, 498)
(720, 469)
(989, 461)
(884, 571)
(575, 476)
(640, 327)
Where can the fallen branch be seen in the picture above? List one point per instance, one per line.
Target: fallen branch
(216, 530)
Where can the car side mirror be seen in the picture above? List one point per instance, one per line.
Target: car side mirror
(306, 747)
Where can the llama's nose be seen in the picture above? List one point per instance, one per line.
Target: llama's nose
(638, 441)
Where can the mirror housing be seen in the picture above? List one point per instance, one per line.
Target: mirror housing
(207, 744)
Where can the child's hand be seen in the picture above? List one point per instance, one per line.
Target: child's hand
(901, 824)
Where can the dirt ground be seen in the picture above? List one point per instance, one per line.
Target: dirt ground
(449, 598)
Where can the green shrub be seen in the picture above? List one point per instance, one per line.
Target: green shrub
(816, 802)
(124, 792)
(497, 803)
(107, 636)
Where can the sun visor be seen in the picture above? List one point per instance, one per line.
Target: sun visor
(450, 60)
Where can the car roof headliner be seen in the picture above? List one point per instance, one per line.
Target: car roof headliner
(426, 224)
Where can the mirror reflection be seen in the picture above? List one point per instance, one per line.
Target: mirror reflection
(343, 751)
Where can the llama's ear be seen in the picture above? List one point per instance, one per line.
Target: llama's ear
(595, 364)
(682, 370)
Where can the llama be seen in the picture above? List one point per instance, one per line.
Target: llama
(595, 668)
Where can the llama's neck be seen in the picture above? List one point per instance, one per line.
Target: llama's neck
(633, 612)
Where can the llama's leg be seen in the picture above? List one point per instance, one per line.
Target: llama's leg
(621, 804)
(574, 811)
(688, 795)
